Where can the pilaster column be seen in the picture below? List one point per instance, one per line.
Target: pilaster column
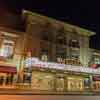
(68, 37)
(84, 50)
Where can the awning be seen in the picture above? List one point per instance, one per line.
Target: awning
(95, 66)
(8, 69)
(96, 78)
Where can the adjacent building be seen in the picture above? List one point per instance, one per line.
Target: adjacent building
(11, 48)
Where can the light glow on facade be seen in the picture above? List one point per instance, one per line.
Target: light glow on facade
(35, 62)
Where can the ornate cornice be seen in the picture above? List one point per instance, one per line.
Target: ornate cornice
(33, 18)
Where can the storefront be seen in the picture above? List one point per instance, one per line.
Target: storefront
(43, 81)
(75, 83)
(96, 83)
(7, 76)
(50, 76)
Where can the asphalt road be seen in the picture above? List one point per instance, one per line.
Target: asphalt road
(47, 97)
(9, 94)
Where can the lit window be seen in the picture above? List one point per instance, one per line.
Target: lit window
(74, 43)
(44, 57)
(97, 61)
(7, 48)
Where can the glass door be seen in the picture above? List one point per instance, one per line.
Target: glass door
(60, 84)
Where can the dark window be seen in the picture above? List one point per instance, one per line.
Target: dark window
(60, 54)
(61, 39)
(1, 80)
(44, 53)
(27, 78)
(45, 36)
(9, 79)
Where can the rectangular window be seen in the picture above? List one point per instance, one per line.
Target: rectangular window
(7, 48)
(96, 60)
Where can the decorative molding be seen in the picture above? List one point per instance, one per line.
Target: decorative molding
(68, 28)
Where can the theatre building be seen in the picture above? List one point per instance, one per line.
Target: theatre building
(45, 54)
(56, 41)
(57, 55)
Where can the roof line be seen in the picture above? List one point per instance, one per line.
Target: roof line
(78, 29)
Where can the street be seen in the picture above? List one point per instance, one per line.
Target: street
(15, 94)
(47, 97)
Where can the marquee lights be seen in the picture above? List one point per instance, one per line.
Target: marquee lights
(35, 62)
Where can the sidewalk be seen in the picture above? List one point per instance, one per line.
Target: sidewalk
(14, 91)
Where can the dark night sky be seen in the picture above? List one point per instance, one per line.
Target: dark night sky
(84, 13)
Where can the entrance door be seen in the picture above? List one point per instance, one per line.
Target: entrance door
(2, 79)
(75, 84)
(60, 84)
(6, 79)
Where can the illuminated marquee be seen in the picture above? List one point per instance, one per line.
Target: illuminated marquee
(35, 62)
